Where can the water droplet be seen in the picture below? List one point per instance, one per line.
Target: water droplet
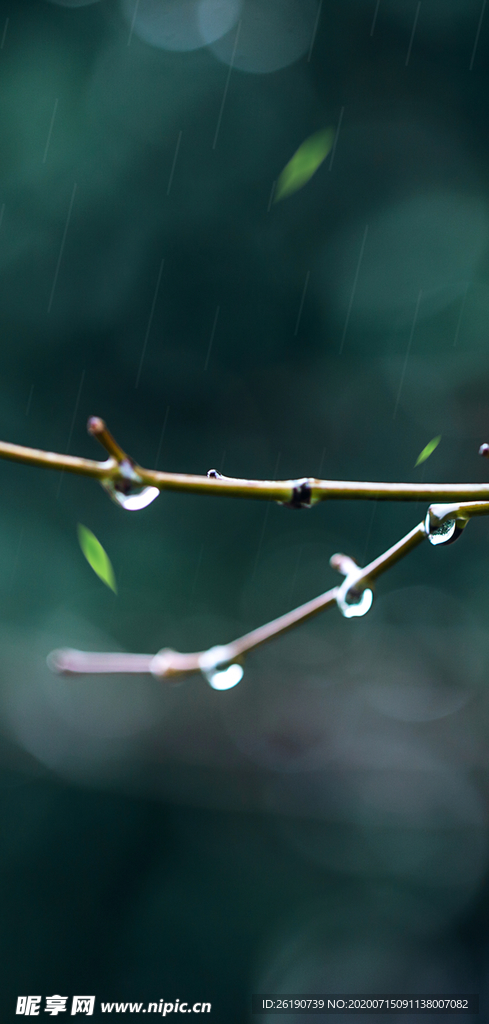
(225, 679)
(133, 497)
(129, 492)
(215, 667)
(353, 604)
(445, 533)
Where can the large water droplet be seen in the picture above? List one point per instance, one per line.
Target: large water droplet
(133, 497)
(215, 667)
(443, 533)
(446, 533)
(353, 604)
(129, 492)
(225, 679)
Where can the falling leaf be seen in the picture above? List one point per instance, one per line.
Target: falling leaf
(430, 447)
(96, 556)
(304, 163)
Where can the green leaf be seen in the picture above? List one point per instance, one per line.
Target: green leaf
(430, 447)
(96, 557)
(304, 163)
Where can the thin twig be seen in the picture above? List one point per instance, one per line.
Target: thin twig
(173, 665)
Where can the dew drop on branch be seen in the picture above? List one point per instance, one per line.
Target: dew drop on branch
(353, 604)
(129, 495)
(446, 533)
(226, 678)
(443, 534)
(215, 667)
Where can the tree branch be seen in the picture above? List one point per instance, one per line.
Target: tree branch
(120, 469)
(172, 665)
(443, 524)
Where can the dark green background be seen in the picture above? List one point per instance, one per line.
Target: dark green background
(298, 833)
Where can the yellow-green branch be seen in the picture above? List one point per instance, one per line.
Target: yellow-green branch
(301, 493)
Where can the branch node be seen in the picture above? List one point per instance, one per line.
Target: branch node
(355, 596)
(221, 670)
(445, 523)
(301, 494)
(163, 665)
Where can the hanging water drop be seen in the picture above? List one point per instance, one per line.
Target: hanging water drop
(448, 531)
(443, 534)
(132, 497)
(130, 492)
(351, 603)
(225, 679)
(215, 667)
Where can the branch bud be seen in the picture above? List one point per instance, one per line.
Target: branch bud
(97, 428)
(343, 564)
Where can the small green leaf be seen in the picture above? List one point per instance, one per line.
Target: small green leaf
(96, 557)
(430, 447)
(304, 163)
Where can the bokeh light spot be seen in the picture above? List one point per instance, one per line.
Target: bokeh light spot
(180, 24)
(273, 34)
(432, 241)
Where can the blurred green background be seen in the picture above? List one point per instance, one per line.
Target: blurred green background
(322, 827)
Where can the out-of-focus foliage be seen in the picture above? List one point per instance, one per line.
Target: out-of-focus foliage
(96, 557)
(304, 163)
(428, 450)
